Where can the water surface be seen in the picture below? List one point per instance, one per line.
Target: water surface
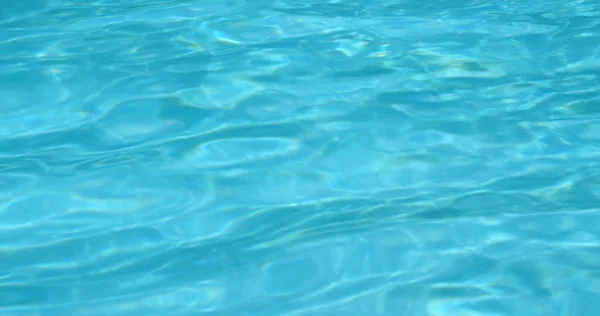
(299, 158)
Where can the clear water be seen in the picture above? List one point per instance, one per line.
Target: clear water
(299, 157)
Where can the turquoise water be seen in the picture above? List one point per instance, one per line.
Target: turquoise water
(299, 158)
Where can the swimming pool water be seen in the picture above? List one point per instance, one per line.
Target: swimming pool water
(299, 157)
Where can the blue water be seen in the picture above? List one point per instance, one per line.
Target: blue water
(299, 157)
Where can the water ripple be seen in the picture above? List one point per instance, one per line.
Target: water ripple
(299, 157)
